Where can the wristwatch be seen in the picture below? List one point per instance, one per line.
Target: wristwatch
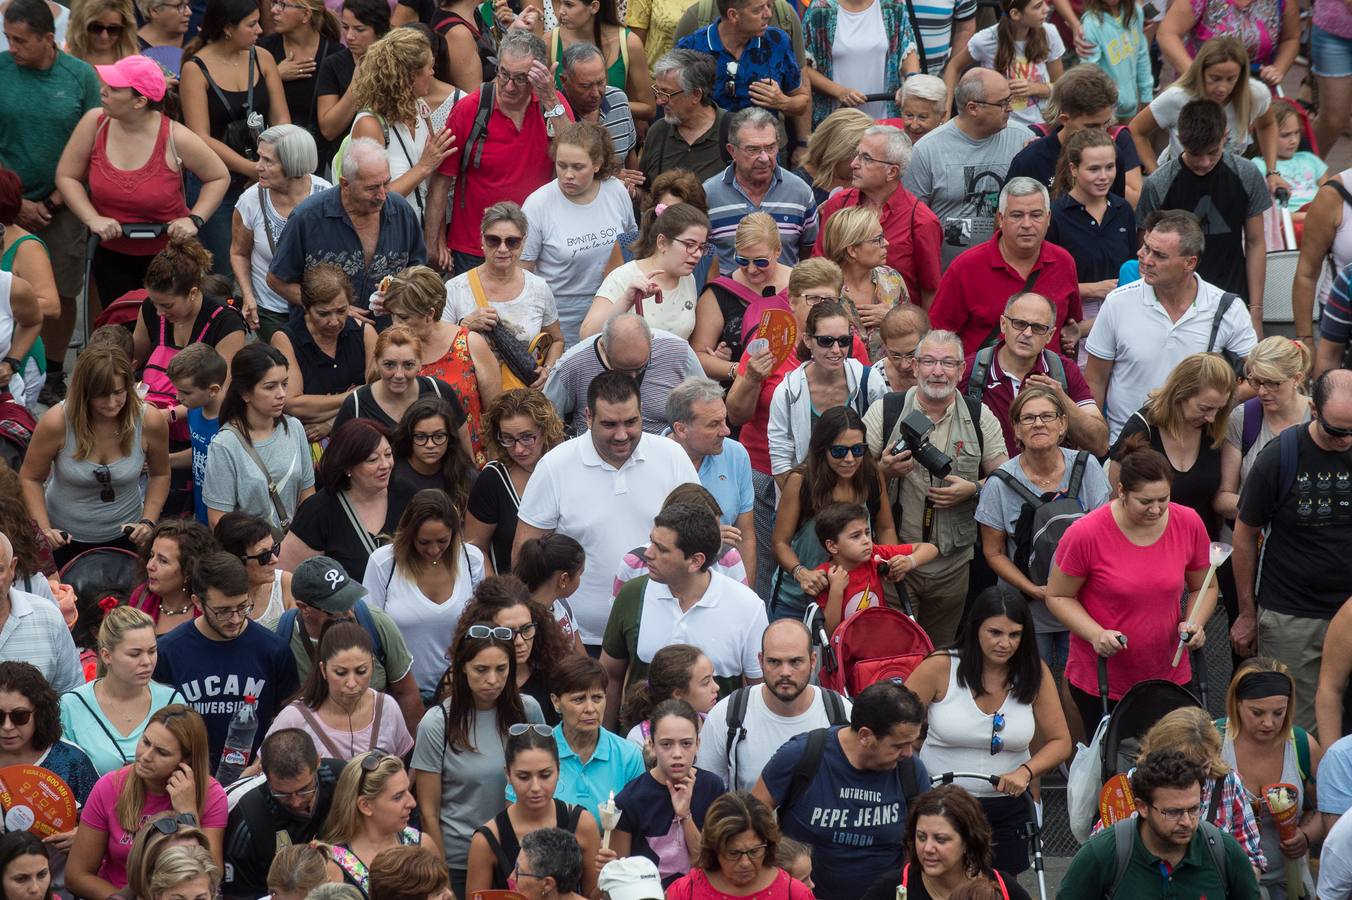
(555, 112)
(196, 220)
(48, 205)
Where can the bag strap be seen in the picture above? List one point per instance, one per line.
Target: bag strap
(369, 545)
(375, 719)
(806, 769)
(403, 148)
(1337, 185)
(1215, 843)
(835, 707)
(211, 318)
(267, 222)
(1055, 367)
(474, 147)
(211, 82)
(476, 287)
(505, 865)
(316, 728)
(915, 31)
(1124, 837)
(1221, 309)
(1216, 785)
(1018, 487)
(1253, 424)
(974, 410)
(248, 98)
(976, 382)
(861, 398)
(99, 721)
(893, 403)
(1288, 444)
(368, 621)
(1077, 474)
(737, 704)
(277, 505)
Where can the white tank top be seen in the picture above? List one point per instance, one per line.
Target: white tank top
(273, 614)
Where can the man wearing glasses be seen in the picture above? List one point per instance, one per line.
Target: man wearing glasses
(223, 657)
(293, 799)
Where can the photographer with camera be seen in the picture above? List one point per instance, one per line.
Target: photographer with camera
(937, 446)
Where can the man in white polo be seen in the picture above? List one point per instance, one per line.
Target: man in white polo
(601, 489)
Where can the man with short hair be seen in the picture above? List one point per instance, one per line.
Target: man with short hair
(293, 801)
(324, 593)
(601, 488)
(755, 60)
(583, 71)
(1147, 327)
(852, 809)
(681, 601)
(32, 629)
(1021, 359)
(1295, 495)
(755, 182)
(360, 226)
(223, 658)
(699, 423)
(958, 169)
(903, 327)
(46, 92)
(657, 359)
(911, 228)
(1173, 852)
(690, 133)
(741, 733)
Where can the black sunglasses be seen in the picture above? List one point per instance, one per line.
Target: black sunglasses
(100, 28)
(174, 825)
(19, 717)
(369, 763)
(825, 341)
(262, 557)
(1331, 431)
(494, 241)
(104, 476)
(839, 451)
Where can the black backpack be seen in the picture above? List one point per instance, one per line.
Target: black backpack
(737, 703)
(810, 763)
(1043, 520)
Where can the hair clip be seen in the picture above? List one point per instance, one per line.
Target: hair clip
(109, 603)
(659, 209)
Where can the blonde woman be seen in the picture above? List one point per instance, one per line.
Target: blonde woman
(389, 88)
(304, 34)
(106, 716)
(184, 872)
(151, 842)
(831, 149)
(853, 239)
(298, 869)
(370, 812)
(102, 31)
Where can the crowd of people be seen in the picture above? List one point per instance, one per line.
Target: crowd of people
(440, 438)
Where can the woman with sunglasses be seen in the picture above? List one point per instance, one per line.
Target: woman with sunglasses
(171, 773)
(371, 808)
(853, 239)
(159, 833)
(167, 561)
(250, 538)
(458, 758)
(102, 31)
(532, 766)
(501, 291)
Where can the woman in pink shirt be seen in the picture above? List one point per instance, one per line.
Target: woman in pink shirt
(1117, 580)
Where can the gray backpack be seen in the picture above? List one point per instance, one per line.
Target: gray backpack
(1043, 520)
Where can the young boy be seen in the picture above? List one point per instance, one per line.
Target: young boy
(198, 372)
(855, 572)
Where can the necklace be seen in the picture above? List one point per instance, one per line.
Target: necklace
(109, 702)
(175, 612)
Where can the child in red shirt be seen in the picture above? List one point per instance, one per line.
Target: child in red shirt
(855, 572)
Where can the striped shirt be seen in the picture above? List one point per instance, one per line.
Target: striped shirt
(936, 18)
(1335, 324)
(35, 632)
(789, 202)
(616, 117)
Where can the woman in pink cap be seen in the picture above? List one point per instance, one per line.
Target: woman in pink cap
(128, 183)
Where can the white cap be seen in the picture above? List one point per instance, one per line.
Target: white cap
(631, 878)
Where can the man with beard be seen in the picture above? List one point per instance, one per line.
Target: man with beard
(690, 133)
(1166, 850)
(745, 728)
(938, 509)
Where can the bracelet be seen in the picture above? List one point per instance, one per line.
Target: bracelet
(1031, 776)
(732, 372)
(48, 205)
(196, 220)
(793, 573)
(148, 522)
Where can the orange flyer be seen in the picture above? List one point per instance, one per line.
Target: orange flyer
(779, 328)
(37, 800)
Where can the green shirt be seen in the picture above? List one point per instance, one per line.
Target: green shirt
(38, 112)
(397, 659)
(1094, 868)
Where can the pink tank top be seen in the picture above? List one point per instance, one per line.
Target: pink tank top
(152, 193)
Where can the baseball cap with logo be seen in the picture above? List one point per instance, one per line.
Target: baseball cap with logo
(631, 878)
(324, 584)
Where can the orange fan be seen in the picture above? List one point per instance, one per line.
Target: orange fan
(781, 330)
(1116, 801)
(37, 800)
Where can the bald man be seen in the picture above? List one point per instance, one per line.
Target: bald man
(32, 630)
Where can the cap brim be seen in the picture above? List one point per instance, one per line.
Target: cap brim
(640, 891)
(112, 77)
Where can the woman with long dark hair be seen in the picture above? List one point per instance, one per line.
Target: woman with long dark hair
(363, 22)
(551, 568)
(430, 453)
(304, 34)
(252, 540)
(598, 23)
(25, 868)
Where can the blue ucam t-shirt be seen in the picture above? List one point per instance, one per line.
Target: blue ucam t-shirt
(215, 676)
(854, 820)
(201, 430)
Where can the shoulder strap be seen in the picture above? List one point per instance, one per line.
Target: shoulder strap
(974, 410)
(113, 740)
(248, 98)
(1124, 836)
(807, 767)
(1217, 786)
(1018, 487)
(1302, 739)
(1077, 473)
(211, 82)
(1055, 367)
(504, 864)
(368, 621)
(1000, 880)
(910, 779)
(835, 707)
(1215, 844)
(915, 31)
(474, 147)
(1288, 445)
(287, 622)
(375, 719)
(1337, 185)
(1253, 424)
(363, 536)
(624, 49)
(566, 815)
(476, 287)
(267, 221)
(737, 704)
(211, 318)
(316, 728)
(277, 505)
(861, 398)
(1221, 309)
(893, 403)
(976, 382)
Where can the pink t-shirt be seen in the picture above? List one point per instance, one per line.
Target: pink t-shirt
(100, 811)
(393, 736)
(1134, 590)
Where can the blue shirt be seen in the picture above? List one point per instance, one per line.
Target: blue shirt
(768, 56)
(728, 477)
(1038, 161)
(83, 722)
(71, 764)
(1335, 778)
(1099, 248)
(613, 764)
(201, 430)
(646, 812)
(790, 202)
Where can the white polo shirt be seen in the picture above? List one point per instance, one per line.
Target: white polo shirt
(1134, 332)
(608, 511)
(726, 624)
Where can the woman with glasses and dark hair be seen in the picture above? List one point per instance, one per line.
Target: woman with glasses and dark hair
(167, 561)
(522, 427)
(25, 867)
(352, 513)
(737, 855)
(252, 540)
(370, 812)
(429, 455)
(458, 757)
(337, 707)
(532, 768)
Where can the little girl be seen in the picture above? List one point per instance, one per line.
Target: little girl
(677, 672)
(1301, 168)
(1116, 28)
(1023, 47)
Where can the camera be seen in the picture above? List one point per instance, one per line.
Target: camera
(915, 428)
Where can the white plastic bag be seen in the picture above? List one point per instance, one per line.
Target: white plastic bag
(1083, 784)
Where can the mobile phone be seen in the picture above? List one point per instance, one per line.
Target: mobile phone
(1150, 11)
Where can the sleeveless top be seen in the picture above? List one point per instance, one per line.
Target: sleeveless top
(74, 491)
(152, 193)
(324, 374)
(506, 845)
(733, 301)
(1341, 246)
(616, 72)
(276, 605)
(219, 115)
(34, 370)
(355, 871)
(484, 44)
(1268, 837)
(456, 368)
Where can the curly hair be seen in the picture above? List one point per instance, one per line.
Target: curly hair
(498, 593)
(595, 141)
(83, 12)
(384, 83)
(17, 525)
(24, 678)
(527, 402)
(191, 537)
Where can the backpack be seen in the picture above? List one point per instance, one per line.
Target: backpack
(364, 618)
(811, 760)
(976, 382)
(478, 135)
(1235, 360)
(1043, 520)
(737, 703)
(1253, 424)
(1124, 838)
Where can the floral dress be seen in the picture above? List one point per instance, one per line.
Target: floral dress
(1258, 26)
(889, 289)
(456, 368)
(355, 871)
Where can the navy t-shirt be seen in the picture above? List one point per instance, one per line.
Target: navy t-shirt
(215, 676)
(646, 810)
(854, 820)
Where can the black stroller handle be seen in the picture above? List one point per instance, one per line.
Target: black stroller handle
(880, 95)
(949, 777)
(1034, 832)
(140, 231)
(1103, 677)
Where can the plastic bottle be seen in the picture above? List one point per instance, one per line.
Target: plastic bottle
(238, 742)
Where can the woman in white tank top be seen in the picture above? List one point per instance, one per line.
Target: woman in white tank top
(250, 538)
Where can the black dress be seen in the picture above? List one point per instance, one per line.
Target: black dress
(1196, 488)
(506, 845)
(302, 93)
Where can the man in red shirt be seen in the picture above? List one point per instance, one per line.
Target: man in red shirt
(1017, 259)
(912, 229)
(508, 161)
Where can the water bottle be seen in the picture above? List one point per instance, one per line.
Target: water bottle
(238, 742)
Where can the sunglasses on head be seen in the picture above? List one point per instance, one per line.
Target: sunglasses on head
(760, 262)
(494, 241)
(18, 717)
(839, 451)
(175, 824)
(369, 763)
(263, 557)
(521, 728)
(826, 341)
(497, 632)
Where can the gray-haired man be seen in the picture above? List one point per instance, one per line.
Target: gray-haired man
(690, 133)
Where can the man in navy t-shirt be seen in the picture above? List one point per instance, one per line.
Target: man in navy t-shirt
(222, 656)
(852, 812)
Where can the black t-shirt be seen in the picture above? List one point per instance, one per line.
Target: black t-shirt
(335, 74)
(406, 481)
(362, 403)
(494, 501)
(1221, 204)
(1306, 565)
(426, 10)
(209, 327)
(885, 888)
(537, 686)
(323, 525)
(1195, 488)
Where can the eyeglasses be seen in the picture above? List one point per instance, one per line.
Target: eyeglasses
(750, 853)
(263, 557)
(231, 612)
(104, 476)
(278, 4)
(18, 717)
(1022, 325)
(694, 247)
(636, 374)
(1039, 418)
(497, 632)
(1174, 814)
(519, 80)
(760, 262)
(948, 364)
(494, 241)
(867, 160)
(435, 438)
(174, 824)
(665, 96)
(1333, 432)
(997, 726)
(839, 451)
(100, 28)
(814, 299)
(1007, 103)
(303, 794)
(876, 240)
(525, 632)
(827, 341)
(521, 728)
(526, 440)
(184, 7)
(901, 359)
(770, 150)
(394, 365)
(1260, 383)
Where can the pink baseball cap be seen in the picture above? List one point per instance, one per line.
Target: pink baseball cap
(138, 72)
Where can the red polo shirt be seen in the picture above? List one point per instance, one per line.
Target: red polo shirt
(514, 163)
(1001, 389)
(913, 236)
(974, 290)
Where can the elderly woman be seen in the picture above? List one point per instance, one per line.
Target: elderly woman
(327, 351)
(102, 31)
(1268, 29)
(853, 239)
(286, 156)
(549, 866)
(304, 33)
(501, 291)
(161, 37)
(924, 106)
(124, 164)
(831, 149)
(873, 41)
(737, 855)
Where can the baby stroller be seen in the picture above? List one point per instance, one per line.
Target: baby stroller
(872, 645)
(93, 575)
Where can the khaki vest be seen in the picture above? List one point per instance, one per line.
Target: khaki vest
(951, 530)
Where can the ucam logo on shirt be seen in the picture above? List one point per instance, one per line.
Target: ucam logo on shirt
(201, 693)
